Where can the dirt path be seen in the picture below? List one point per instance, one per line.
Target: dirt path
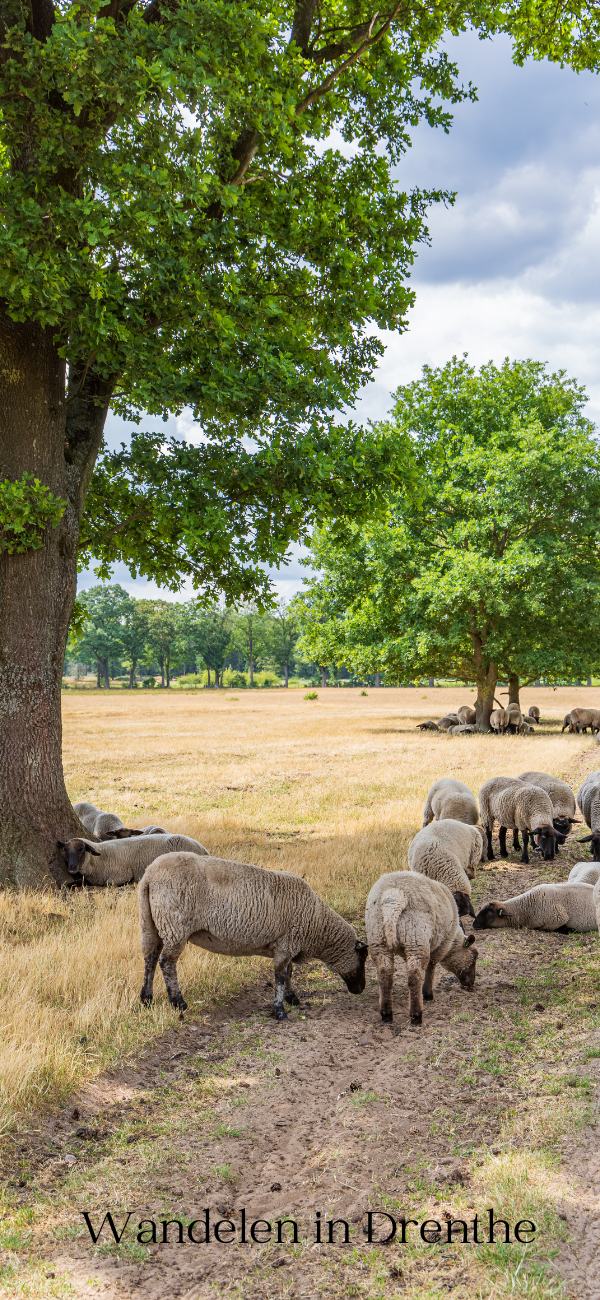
(332, 1112)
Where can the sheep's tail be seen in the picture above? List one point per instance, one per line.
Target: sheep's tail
(150, 936)
(393, 904)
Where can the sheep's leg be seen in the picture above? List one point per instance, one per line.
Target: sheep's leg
(384, 963)
(428, 981)
(291, 998)
(282, 970)
(490, 846)
(516, 840)
(502, 838)
(525, 855)
(150, 960)
(168, 966)
(417, 966)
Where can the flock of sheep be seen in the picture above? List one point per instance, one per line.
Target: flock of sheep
(509, 719)
(187, 895)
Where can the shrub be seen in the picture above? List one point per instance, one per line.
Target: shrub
(311, 695)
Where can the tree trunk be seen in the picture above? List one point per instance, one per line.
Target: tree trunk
(513, 688)
(377, 681)
(98, 678)
(486, 680)
(208, 677)
(37, 590)
(286, 674)
(105, 674)
(162, 672)
(168, 670)
(132, 676)
(430, 681)
(323, 677)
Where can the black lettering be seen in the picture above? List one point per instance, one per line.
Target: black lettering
(168, 1223)
(404, 1224)
(283, 1223)
(476, 1239)
(318, 1226)
(332, 1224)
(224, 1225)
(527, 1226)
(496, 1223)
(205, 1223)
(147, 1236)
(380, 1214)
(260, 1224)
(108, 1218)
(430, 1226)
(451, 1224)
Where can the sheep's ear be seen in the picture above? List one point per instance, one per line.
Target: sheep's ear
(586, 839)
(90, 849)
(469, 941)
(60, 844)
(574, 820)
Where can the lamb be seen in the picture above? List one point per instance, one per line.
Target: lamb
(564, 907)
(580, 719)
(585, 873)
(461, 729)
(243, 911)
(588, 799)
(466, 713)
(427, 726)
(449, 720)
(448, 851)
(562, 799)
(417, 918)
(450, 798)
(104, 825)
(533, 713)
(499, 720)
(119, 862)
(521, 807)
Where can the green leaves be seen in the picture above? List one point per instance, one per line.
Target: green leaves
(27, 509)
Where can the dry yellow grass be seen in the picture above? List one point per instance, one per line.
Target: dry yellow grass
(331, 788)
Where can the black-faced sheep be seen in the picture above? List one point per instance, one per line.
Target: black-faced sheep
(243, 911)
(563, 907)
(564, 808)
(416, 918)
(580, 719)
(119, 862)
(104, 825)
(448, 851)
(499, 721)
(589, 803)
(517, 806)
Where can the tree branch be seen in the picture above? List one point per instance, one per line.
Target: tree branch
(303, 20)
(41, 19)
(372, 38)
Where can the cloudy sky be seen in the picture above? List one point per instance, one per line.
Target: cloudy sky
(514, 267)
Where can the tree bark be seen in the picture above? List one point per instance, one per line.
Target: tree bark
(486, 680)
(323, 677)
(513, 688)
(286, 674)
(37, 590)
(377, 681)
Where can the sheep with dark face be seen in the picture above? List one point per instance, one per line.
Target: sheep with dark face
(589, 803)
(119, 862)
(499, 721)
(533, 713)
(580, 719)
(417, 918)
(104, 825)
(564, 808)
(517, 806)
(429, 725)
(242, 911)
(566, 907)
(449, 851)
(449, 720)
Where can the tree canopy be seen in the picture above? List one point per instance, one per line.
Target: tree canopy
(488, 562)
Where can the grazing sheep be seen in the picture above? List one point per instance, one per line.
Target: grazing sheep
(533, 713)
(418, 919)
(243, 911)
(585, 873)
(427, 726)
(499, 721)
(515, 718)
(104, 825)
(562, 799)
(119, 862)
(450, 798)
(597, 902)
(580, 719)
(449, 720)
(461, 729)
(562, 907)
(589, 803)
(466, 713)
(517, 806)
(448, 851)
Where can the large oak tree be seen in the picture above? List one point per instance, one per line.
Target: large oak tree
(181, 229)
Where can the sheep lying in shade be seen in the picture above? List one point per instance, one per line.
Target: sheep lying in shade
(449, 720)
(563, 907)
(119, 862)
(242, 911)
(429, 725)
(517, 806)
(448, 851)
(564, 808)
(467, 713)
(104, 825)
(585, 873)
(450, 798)
(461, 729)
(417, 918)
(588, 799)
(533, 713)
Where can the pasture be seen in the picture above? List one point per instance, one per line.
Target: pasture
(104, 1104)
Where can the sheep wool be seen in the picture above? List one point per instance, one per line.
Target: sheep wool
(416, 918)
(597, 902)
(450, 798)
(120, 862)
(585, 873)
(566, 906)
(240, 910)
(448, 851)
(518, 806)
(589, 803)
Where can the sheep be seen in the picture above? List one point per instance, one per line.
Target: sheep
(597, 902)
(448, 851)
(155, 830)
(104, 825)
(467, 713)
(449, 720)
(427, 726)
(580, 719)
(585, 873)
(533, 713)
(515, 717)
(119, 862)
(562, 799)
(461, 729)
(243, 911)
(588, 799)
(450, 798)
(564, 907)
(417, 918)
(518, 806)
(499, 720)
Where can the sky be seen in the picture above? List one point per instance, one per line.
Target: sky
(513, 268)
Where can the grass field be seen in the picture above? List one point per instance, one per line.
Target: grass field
(330, 788)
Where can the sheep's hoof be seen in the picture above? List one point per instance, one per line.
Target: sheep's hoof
(417, 1018)
(146, 999)
(427, 997)
(179, 1003)
(292, 999)
(503, 854)
(279, 1013)
(387, 1017)
(490, 857)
